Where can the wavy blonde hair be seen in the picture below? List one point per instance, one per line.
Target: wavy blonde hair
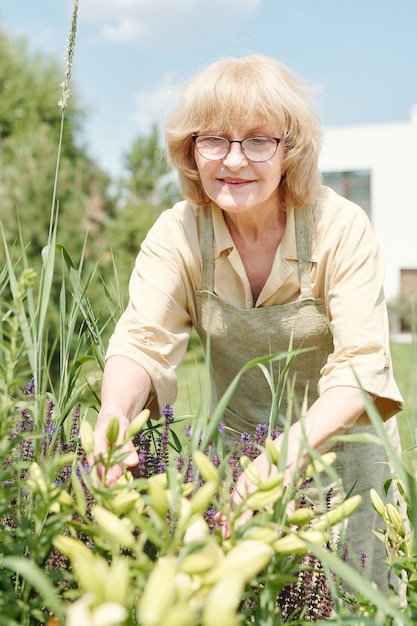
(231, 90)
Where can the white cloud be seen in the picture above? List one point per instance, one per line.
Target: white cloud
(165, 21)
(124, 30)
(151, 106)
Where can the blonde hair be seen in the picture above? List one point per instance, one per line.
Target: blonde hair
(231, 90)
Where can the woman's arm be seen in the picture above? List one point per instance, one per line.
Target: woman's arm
(336, 410)
(125, 389)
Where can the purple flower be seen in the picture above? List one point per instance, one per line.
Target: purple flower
(329, 498)
(30, 388)
(167, 411)
(260, 434)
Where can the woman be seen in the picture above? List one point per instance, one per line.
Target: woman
(259, 255)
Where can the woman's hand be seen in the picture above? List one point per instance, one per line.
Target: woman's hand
(336, 410)
(101, 447)
(124, 391)
(243, 488)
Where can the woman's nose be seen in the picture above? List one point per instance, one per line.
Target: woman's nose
(235, 157)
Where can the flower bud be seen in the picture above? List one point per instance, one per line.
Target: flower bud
(377, 502)
(65, 499)
(139, 422)
(258, 500)
(202, 560)
(396, 519)
(87, 437)
(271, 482)
(300, 517)
(319, 465)
(203, 497)
(262, 533)
(159, 593)
(197, 530)
(113, 526)
(339, 513)
(158, 494)
(246, 558)
(116, 581)
(80, 497)
(250, 470)
(297, 543)
(124, 501)
(223, 601)
(72, 548)
(36, 481)
(206, 467)
(181, 614)
(271, 450)
(112, 431)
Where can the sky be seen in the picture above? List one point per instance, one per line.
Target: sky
(360, 54)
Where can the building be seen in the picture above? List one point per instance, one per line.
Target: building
(375, 165)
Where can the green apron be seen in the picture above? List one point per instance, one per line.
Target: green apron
(239, 335)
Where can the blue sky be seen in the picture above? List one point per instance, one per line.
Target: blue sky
(361, 53)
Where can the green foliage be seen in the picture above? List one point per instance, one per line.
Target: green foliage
(146, 165)
(48, 179)
(127, 543)
(45, 172)
(143, 193)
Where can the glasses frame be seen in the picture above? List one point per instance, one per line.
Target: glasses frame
(240, 141)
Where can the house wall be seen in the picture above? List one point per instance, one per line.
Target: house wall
(389, 152)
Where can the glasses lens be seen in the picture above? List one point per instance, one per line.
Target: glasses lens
(259, 148)
(212, 147)
(254, 148)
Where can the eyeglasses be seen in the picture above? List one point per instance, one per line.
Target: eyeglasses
(256, 149)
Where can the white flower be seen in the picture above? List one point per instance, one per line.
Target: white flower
(107, 614)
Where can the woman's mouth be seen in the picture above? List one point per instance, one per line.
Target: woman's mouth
(234, 182)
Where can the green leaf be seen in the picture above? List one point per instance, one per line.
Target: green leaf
(225, 399)
(37, 579)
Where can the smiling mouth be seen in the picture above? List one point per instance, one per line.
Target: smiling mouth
(234, 181)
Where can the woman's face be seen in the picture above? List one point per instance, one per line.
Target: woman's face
(235, 183)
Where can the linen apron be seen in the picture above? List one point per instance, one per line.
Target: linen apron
(239, 335)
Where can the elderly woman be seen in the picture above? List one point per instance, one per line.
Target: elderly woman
(260, 256)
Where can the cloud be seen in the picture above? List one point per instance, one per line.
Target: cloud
(166, 21)
(151, 106)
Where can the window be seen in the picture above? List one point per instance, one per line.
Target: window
(355, 186)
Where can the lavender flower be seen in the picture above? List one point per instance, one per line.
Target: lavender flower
(261, 432)
(310, 597)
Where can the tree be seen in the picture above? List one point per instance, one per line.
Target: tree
(147, 189)
(29, 134)
(30, 123)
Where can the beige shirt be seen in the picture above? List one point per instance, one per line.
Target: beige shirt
(346, 271)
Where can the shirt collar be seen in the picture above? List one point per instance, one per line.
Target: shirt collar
(288, 248)
(222, 238)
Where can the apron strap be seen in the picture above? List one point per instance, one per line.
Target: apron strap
(207, 250)
(303, 252)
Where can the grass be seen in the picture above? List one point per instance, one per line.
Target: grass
(405, 367)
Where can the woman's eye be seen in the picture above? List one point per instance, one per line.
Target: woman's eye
(215, 140)
(259, 141)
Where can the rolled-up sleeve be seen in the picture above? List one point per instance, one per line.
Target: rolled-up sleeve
(154, 329)
(352, 278)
